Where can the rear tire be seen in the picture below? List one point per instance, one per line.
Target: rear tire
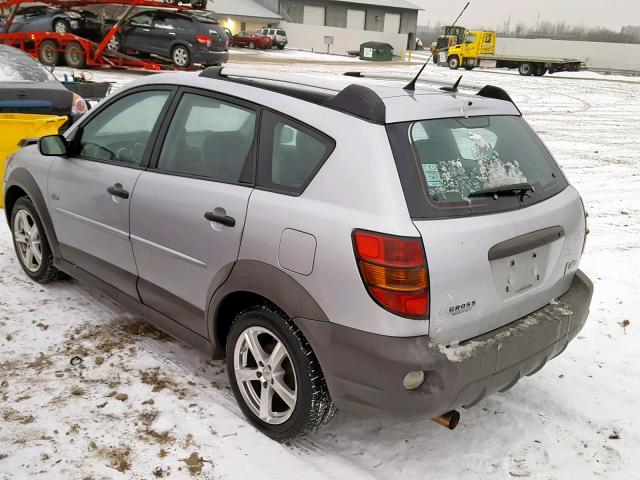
(180, 56)
(454, 62)
(61, 26)
(30, 242)
(469, 67)
(525, 69)
(298, 370)
(539, 71)
(48, 53)
(74, 55)
(280, 47)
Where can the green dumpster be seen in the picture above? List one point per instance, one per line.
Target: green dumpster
(376, 51)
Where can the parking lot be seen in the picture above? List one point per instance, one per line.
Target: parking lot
(90, 391)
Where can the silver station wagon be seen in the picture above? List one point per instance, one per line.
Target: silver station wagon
(372, 249)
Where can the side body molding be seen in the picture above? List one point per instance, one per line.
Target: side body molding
(269, 282)
(21, 178)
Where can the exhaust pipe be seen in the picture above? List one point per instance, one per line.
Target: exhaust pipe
(449, 420)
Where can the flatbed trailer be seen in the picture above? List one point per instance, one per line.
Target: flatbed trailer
(526, 66)
(50, 48)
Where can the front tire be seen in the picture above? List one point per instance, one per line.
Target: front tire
(275, 376)
(454, 62)
(31, 243)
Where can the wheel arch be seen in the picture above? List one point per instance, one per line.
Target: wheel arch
(252, 282)
(21, 183)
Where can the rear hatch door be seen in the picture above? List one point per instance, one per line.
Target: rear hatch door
(490, 270)
(492, 257)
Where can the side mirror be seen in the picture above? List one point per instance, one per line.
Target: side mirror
(53, 145)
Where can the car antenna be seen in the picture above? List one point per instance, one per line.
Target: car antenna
(412, 84)
(452, 88)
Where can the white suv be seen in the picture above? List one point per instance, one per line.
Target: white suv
(370, 249)
(278, 36)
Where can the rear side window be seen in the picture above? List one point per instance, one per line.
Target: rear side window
(209, 138)
(443, 162)
(290, 154)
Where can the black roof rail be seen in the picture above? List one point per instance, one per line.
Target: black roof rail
(354, 99)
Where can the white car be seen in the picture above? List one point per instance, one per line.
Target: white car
(278, 36)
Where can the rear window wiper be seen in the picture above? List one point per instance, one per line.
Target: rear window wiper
(519, 189)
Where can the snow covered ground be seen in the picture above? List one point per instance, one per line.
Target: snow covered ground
(140, 405)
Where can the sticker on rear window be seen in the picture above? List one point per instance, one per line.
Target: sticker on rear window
(432, 174)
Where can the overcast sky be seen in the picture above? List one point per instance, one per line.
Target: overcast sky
(491, 13)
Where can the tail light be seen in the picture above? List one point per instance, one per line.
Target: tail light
(78, 105)
(586, 227)
(203, 39)
(394, 271)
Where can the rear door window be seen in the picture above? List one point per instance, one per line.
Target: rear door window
(290, 154)
(143, 19)
(210, 138)
(443, 162)
(165, 22)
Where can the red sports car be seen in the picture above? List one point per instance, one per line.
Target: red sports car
(252, 40)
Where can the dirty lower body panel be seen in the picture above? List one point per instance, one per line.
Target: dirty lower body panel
(364, 371)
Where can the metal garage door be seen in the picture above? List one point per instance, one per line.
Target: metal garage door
(355, 19)
(392, 22)
(313, 15)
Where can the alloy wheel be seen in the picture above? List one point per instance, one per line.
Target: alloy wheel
(114, 44)
(60, 27)
(28, 242)
(265, 375)
(180, 57)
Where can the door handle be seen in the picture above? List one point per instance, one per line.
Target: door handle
(223, 219)
(118, 191)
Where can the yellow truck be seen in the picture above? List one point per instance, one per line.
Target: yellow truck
(478, 49)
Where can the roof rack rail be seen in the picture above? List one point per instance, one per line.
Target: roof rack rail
(354, 99)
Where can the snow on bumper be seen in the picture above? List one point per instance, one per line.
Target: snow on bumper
(364, 371)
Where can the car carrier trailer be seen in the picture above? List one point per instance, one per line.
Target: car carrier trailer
(53, 48)
(478, 50)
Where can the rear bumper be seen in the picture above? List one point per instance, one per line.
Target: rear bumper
(207, 57)
(364, 371)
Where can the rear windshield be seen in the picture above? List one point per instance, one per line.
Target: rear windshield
(444, 164)
(16, 66)
(281, 32)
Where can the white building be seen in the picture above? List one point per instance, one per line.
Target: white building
(311, 24)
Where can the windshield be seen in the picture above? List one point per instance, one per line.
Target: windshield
(441, 162)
